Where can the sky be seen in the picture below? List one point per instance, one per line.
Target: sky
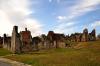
(41, 16)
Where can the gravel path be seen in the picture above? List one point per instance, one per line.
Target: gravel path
(4, 64)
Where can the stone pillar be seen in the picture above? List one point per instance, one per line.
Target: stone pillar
(15, 41)
(4, 37)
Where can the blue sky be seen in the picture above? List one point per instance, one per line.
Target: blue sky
(40, 16)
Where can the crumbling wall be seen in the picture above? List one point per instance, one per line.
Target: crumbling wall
(15, 41)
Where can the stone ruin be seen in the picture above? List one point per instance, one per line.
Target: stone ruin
(1, 42)
(83, 37)
(18, 42)
(6, 42)
(23, 42)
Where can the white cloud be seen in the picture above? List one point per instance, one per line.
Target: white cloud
(63, 27)
(95, 24)
(80, 8)
(34, 26)
(17, 12)
(83, 7)
(61, 18)
(50, 1)
(58, 1)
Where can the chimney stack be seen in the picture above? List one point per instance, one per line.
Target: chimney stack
(25, 29)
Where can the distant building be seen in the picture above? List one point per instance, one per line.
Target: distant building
(83, 37)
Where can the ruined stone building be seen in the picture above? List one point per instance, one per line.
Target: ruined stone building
(26, 41)
(18, 42)
(23, 41)
(6, 42)
(77, 37)
(1, 42)
(36, 41)
(92, 35)
(57, 40)
(15, 41)
(52, 40)
(83, 37)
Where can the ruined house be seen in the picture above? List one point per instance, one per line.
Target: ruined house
(85, 35)
(92, 35)
(23, 41)
(72, 38)
(1, 42)
(52, 40)
(56, 40)
(45, 42)
(36, 41)
(78, 37)
(15, 41)
(6, 42)
(18, 42)
(26, 40)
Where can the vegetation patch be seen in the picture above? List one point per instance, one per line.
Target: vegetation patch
(84, 54)
(4, 52)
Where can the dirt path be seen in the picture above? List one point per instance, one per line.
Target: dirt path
(4, 64)
(8, 62)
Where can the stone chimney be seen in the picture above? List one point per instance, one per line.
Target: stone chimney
(15, 29)
(15, 41)
(4, 36)
(25, 29)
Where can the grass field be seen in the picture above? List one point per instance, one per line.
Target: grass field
(84, 54)
(4, 52)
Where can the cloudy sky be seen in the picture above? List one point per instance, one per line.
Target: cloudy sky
(40, 16)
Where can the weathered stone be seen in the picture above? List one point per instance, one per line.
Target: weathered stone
(6, 42)
(15, 41)
(26, 41)
(23, 41)
(85, 35)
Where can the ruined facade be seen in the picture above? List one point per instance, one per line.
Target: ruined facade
(1, 42)
(15, 41)
(83, 37)
(18, 42)
(6, 42)
(57, 40)
(92, 35)
(23, 41)
(26, 41)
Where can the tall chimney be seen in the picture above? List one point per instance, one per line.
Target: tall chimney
(25, 29)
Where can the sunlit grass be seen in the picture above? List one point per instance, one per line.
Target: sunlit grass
(85, 54)
(4, 52)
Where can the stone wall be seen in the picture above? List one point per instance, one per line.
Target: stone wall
(23, 41)
(6, 42)
(15, 41)
(1, 42)
(26, 41)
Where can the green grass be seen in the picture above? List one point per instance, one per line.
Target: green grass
(4, 52)
(84, 54)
